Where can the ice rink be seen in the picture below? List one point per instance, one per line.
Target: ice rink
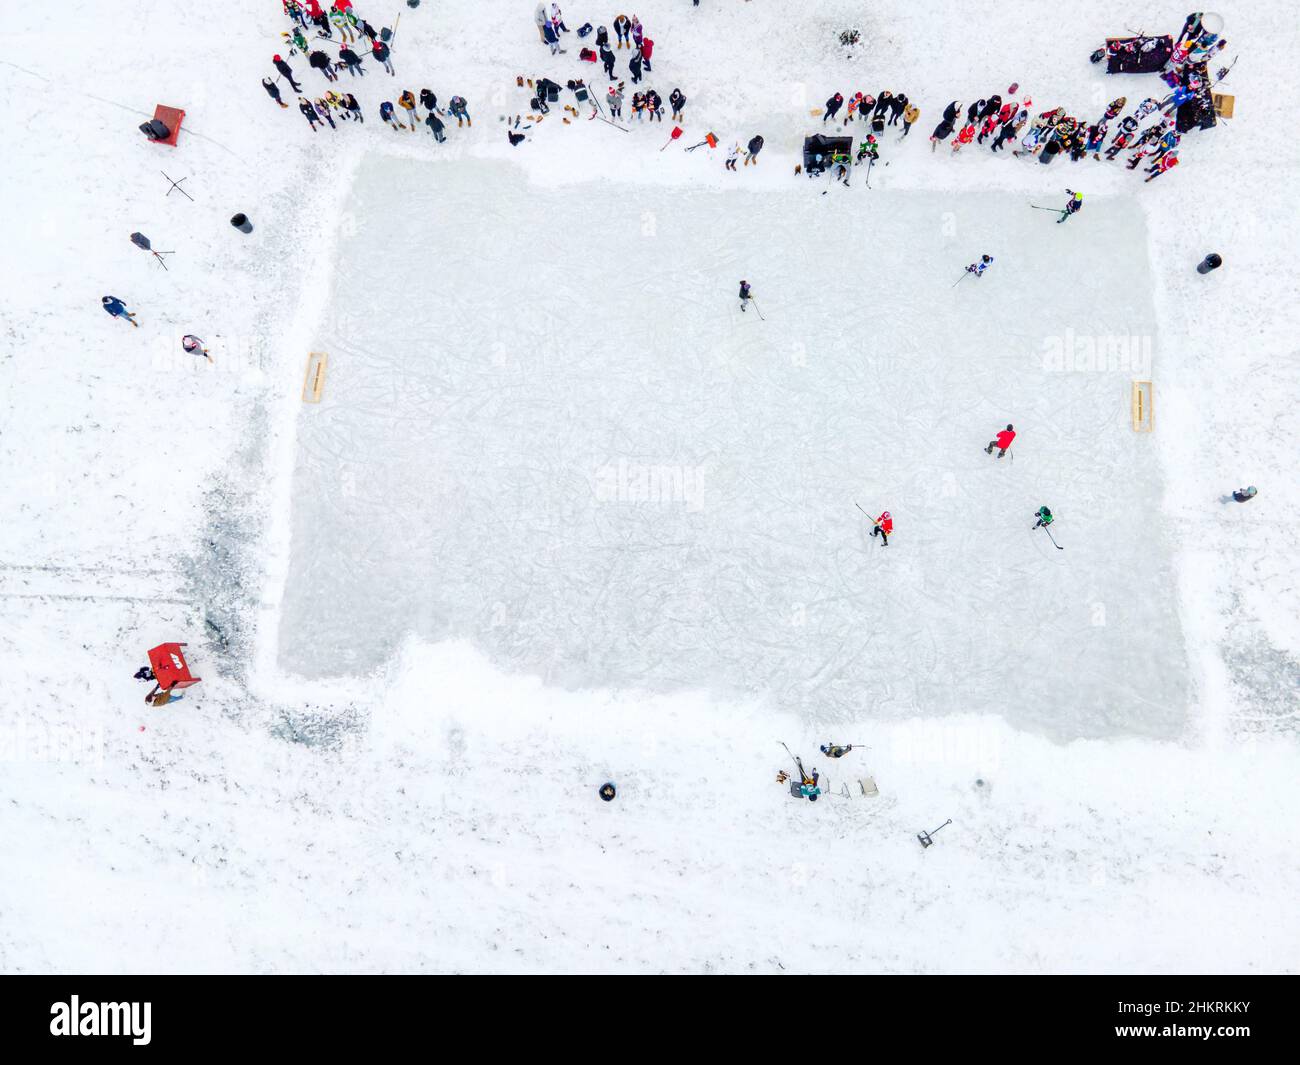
(559, 437)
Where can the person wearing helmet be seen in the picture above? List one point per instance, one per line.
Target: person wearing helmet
(1044, 517)
(1245, 495)
(117, 309)
(884, 526)
(744, 294)
(1002, 442)
(978, 268)
(1072, 206)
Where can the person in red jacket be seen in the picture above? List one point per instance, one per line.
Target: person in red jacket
(647, 50)
(884, 526)
(1002, 442)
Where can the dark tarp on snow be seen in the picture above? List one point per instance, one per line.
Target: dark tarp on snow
(820, 150)
(1138, 55)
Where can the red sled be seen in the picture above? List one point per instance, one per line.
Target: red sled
(587, 55)
(170, 669)
(171, 117)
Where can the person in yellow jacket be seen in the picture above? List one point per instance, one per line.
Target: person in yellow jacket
(407, 102)
(910, 114)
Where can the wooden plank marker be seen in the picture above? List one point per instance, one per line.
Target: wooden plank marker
(313, 385)
(1142, 403)
(1223, 104)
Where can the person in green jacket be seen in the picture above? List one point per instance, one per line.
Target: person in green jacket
(1044, 517)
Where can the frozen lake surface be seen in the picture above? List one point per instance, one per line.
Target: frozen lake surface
(559, 437)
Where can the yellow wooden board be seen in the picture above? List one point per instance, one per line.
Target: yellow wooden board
(1142, 403)
(1223, 104)
(313, 385)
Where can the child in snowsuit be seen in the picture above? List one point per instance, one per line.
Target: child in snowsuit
(1002, 441)
(117, 309)
(194, 346)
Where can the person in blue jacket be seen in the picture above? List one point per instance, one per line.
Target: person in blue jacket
(117, 309)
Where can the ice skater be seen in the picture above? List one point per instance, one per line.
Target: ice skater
(1002, 442)
(1245, 495)
(117, 309)
(831, 750)
(883, 528)
(978, 268)
(745, 294)
(1044, 516)
(1072, 206)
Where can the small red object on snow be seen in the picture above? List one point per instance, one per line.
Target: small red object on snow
(171, 117)
(170, 669)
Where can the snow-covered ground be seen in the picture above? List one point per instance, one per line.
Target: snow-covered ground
(434, 612)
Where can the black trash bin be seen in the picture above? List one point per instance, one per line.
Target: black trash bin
(241, 223)
(1211, 262)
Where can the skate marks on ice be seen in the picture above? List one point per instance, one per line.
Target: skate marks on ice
(572, 448)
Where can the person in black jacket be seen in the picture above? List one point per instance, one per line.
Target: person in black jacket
(974, 111)
(306, 108)
(992, 106)
(883, 101)
(654, 105)
(429, 100)
(896, 106)
(286, 72)
(941, 132)
(634, 65)
(602, 37)
(352, 60)
(679, 103)
(755, 146)
(435, 125)
(745, 297)
(321, 62)
(272, 91)
(833, 106)
(382, 55)
(607, 60)
(951, 112)
(354, 108)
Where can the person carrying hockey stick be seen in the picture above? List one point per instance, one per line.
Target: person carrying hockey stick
(1073, 206)
(1044, 517)
(745, 295)
(978, 268)
(1002, 442)
(883, 528)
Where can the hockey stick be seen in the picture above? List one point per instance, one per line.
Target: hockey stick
(1050, 537)
(1054, 210)
(961, 279)
(757, 311)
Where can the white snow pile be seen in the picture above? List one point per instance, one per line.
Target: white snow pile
(564, 514)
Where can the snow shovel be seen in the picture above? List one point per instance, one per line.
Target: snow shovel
(709, 139)
(677, 132)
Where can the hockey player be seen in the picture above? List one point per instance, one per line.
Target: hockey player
(1002, 442)
(1072, 206)
(869, 149)
(745, 295)
(831, 750)
(884, 526)
(978, 268)
(117, 309)
(1162, 165)
(1044, 517)
(1245, 495)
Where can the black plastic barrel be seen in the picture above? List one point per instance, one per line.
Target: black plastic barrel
(1211, 262)
(241, 223)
